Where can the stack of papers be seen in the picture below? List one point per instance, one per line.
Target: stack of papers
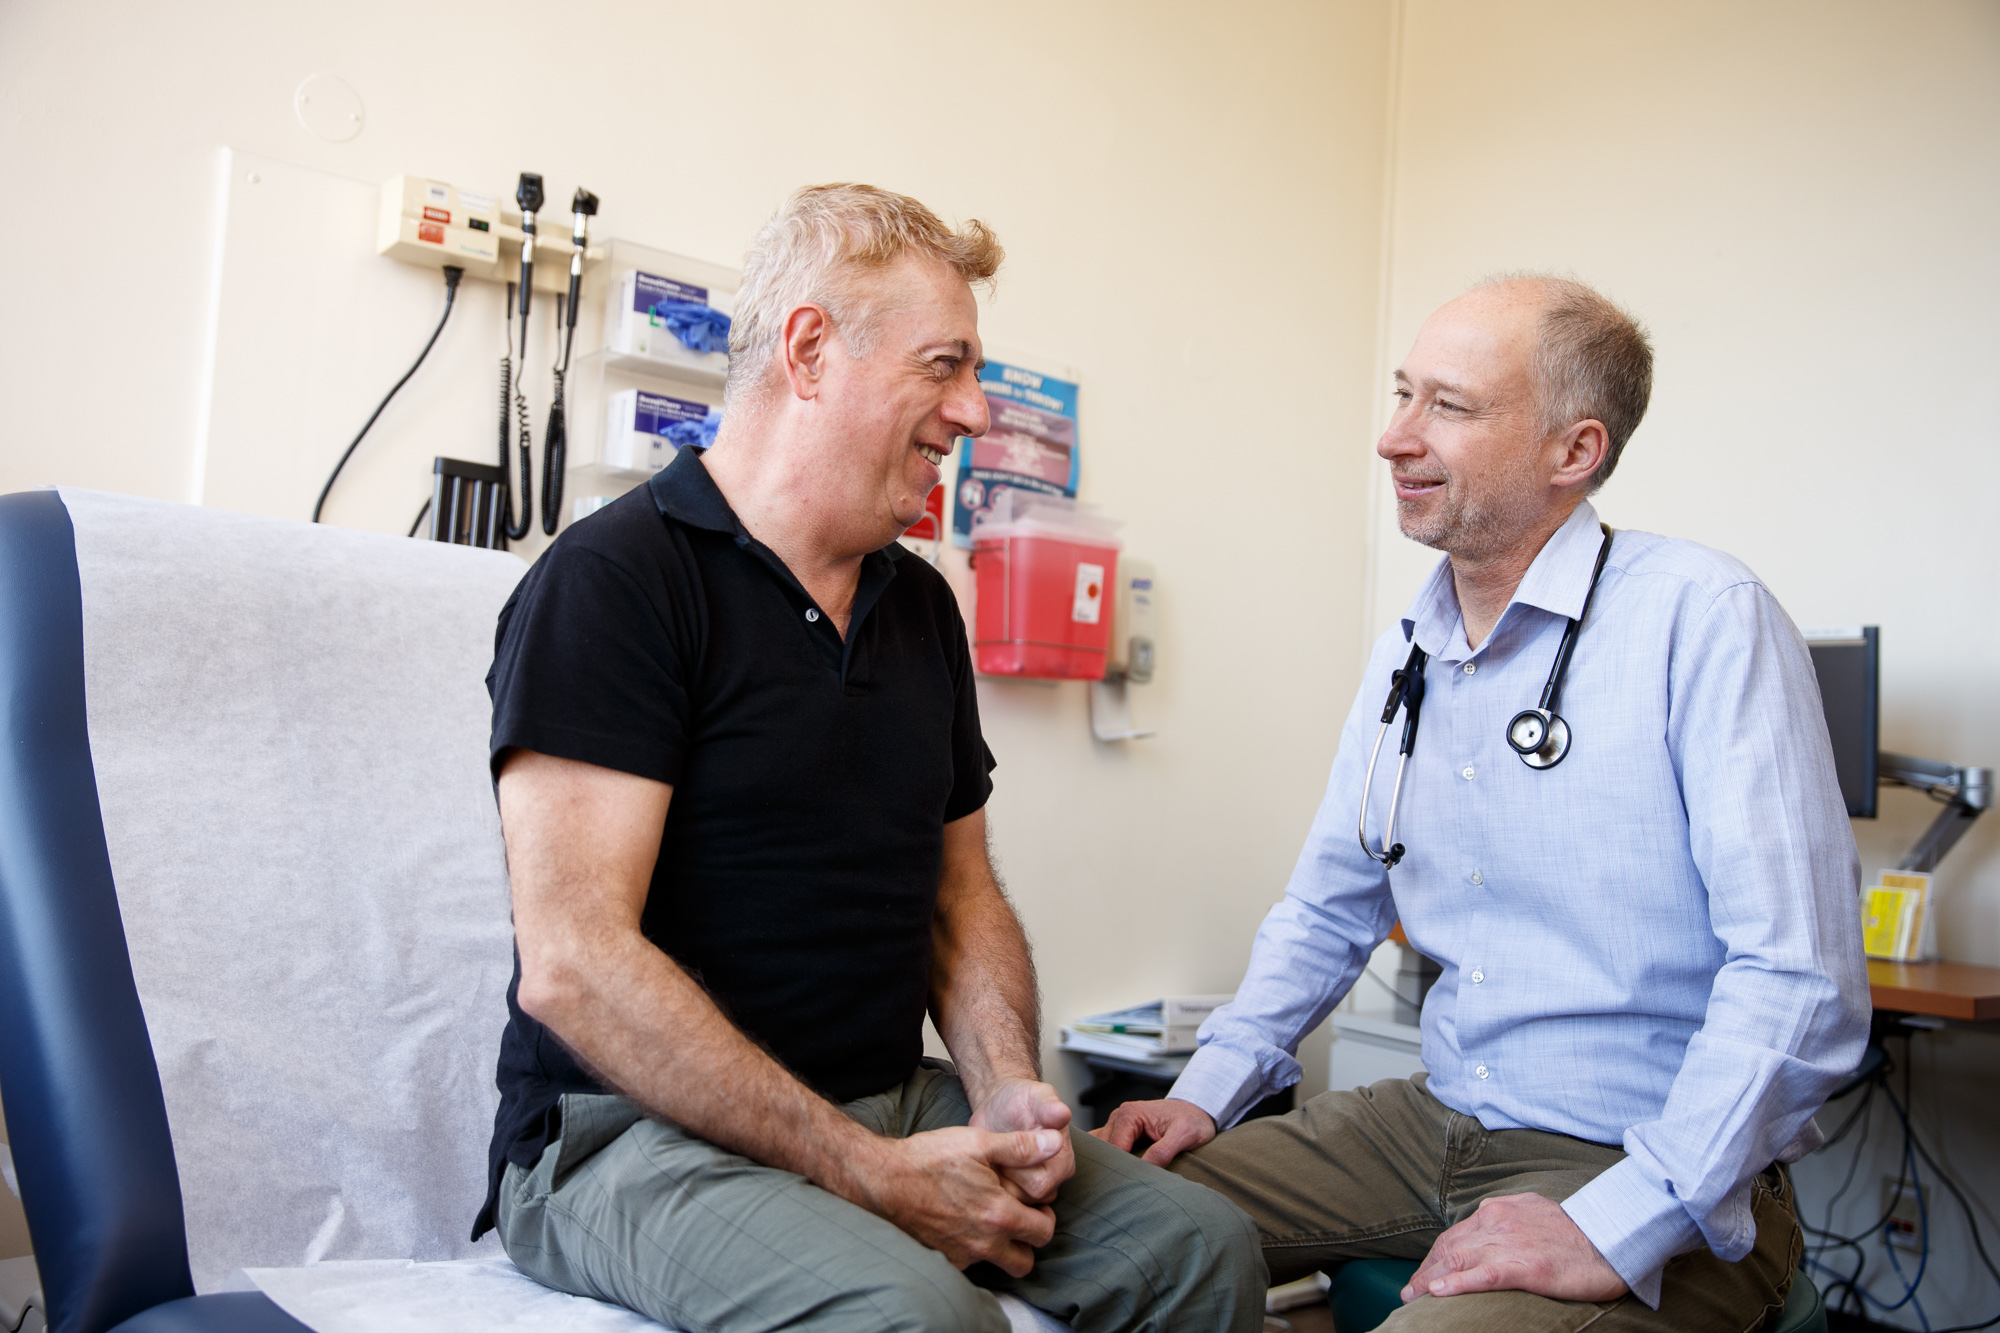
(1892, 916)
(1146, 1031)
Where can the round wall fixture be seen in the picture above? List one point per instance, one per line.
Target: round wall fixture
(328, 107)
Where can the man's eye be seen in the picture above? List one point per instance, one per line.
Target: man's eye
(945, 367)
(1445, 404)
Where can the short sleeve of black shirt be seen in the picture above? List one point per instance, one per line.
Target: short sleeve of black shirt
(592, 656)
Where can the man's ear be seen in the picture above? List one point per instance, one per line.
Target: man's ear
(1582, 451)
(802, 349)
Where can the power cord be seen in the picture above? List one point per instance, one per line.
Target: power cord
(452, 273)
(1914, 1151)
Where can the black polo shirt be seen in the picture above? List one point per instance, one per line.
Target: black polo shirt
(812, 777)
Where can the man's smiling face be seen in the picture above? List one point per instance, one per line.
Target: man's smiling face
(897, 411)
(1465, 445)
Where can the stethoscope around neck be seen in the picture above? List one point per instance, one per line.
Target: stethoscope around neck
(1539, 734)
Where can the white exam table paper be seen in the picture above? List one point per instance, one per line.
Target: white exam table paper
(471, 1296)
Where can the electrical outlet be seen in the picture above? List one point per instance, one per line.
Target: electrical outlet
(1906, 1212)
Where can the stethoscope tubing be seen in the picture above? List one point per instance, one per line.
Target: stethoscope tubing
(1406, 690)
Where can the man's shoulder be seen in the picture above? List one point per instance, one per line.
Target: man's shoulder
(922, 579)
(629, 530)
(625, 556)
(1704, 571)
(628, 541)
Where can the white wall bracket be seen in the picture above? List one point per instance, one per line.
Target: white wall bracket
(1111, 712)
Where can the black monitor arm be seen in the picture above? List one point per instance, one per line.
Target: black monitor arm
(1966, 792)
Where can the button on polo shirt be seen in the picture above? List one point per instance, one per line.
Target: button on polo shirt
(813, 776)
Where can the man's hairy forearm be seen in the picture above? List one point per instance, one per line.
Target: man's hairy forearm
(652, 1033)
(983, 994)
(581, 842)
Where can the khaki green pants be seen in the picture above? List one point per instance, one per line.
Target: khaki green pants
(640, 1212)
(1381, 1172)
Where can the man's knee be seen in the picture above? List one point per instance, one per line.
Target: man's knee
(1227, 1233)
(917, 1303)
(1210, 1239)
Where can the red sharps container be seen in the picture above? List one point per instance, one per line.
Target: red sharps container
(1046, 568)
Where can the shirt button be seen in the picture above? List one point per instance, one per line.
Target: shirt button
(1481, 1071)
(1471, 667)
(1468, 772)
(1478, 977)
(1478, 878)
(812, 614)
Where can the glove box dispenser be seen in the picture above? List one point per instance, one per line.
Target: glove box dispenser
(1046, 581)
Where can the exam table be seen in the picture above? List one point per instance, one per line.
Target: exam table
(254, 929)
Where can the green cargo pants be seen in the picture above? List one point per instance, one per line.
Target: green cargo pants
(643, 1213)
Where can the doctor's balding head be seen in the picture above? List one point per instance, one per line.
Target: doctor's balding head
(1515, 402)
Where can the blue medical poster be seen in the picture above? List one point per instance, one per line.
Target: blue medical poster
(1031, 445)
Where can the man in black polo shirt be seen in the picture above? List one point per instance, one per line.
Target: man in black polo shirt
(742, 782)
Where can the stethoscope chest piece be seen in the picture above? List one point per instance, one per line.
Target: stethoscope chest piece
(1539, 736)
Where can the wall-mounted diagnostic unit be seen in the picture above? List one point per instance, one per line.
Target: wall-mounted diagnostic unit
(430, 222)
(622, 405)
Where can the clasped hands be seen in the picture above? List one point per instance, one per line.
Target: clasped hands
(981, 1192)
(1512, 1242)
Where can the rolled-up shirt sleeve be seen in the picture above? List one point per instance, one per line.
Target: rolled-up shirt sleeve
(1788, 1013)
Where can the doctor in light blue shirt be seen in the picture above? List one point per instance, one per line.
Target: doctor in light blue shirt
(1652, 945)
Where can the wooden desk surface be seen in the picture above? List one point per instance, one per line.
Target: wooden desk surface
(1945, 990)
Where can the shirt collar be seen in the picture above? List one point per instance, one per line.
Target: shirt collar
(684, 491)
(1557, 581)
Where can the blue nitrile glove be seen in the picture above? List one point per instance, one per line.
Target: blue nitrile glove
(700, 434)
(701, 328)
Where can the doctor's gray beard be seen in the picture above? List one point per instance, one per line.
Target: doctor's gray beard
(1473, 527)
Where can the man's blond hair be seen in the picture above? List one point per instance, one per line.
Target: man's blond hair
(820, 248)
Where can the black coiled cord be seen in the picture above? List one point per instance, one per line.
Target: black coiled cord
(510, 388)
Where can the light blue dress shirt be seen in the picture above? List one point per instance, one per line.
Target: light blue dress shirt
(1655, 943)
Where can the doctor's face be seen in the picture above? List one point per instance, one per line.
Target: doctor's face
(1465, 447)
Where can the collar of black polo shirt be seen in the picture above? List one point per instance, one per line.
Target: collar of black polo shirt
(684, 491)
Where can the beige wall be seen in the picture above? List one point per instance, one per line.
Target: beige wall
(1800, 199)
(1177, 185)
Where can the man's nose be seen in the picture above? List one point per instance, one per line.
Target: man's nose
(1401, 439)
(965, 410)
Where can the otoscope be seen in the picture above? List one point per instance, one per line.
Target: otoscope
(555, 441)
(529, 196)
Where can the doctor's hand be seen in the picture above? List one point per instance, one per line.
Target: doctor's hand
(1173, 1125)
(945, 1188)
(1517, 1242)
(1019, 1104)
